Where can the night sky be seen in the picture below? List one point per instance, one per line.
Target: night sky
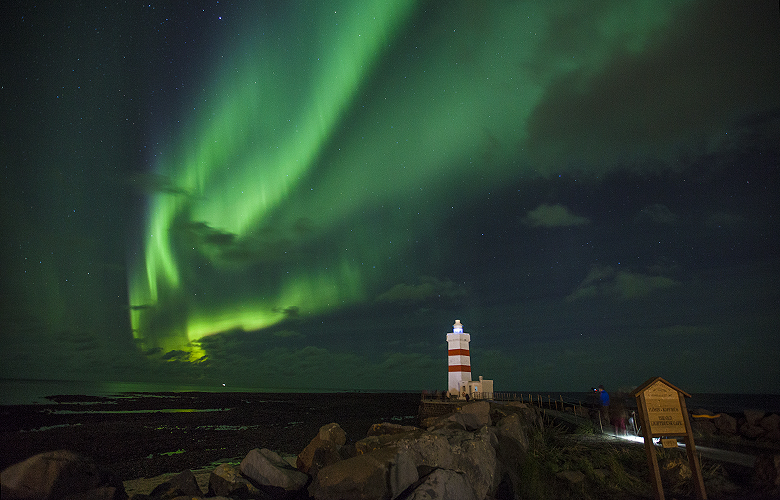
(307, 195)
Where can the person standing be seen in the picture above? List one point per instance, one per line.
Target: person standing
(603, 404)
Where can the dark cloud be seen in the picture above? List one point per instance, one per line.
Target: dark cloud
(725, 220)
(290, 312)
(712, 65)
(176, 355)
(685, 330)
(286, 334)
(429, 289)
(553, 216)
(612, 283)
(141, 307)
(657, 213)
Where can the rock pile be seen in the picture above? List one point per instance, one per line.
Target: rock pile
(473, 454)
(752, 425)
(59, 475)
(464, 455)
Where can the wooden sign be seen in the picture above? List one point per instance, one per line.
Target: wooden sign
(662, 413)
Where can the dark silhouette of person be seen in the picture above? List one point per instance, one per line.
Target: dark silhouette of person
(618, 416)
(603, 404)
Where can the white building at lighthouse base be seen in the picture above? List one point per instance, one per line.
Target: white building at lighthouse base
(459, 381)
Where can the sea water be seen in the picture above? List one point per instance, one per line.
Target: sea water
(20, 392)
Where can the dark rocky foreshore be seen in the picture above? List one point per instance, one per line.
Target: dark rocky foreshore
(482, 451)
(138, 435)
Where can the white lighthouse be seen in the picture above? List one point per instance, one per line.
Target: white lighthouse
(459, 359)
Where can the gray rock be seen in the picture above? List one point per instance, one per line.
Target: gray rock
(385, 428)
(443, 484)
(55, 474)
(766, 470)
(323, 450)
(753, 417)
(770, 423)
(703, 427)
(726, 424)
(750, 431)
(332, 432)
(466, 421)
(369, 444)
(531, 414)
(572, 476)
(318, 454)
(474, 454)
(226, 481)
(476, 415)
(266, 468)
(427, 449)
(382, 474)
(512, 434)
(325, 456)
(182, 484)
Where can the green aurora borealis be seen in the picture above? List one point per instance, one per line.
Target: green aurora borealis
(308, 194)
(240, 160)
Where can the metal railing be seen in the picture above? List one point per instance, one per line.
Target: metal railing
(544, 402)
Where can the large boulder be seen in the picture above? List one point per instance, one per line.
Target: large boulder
(443, 484)
(182, 484)
(226, 481)
(702, 423)
(318, 454)
(512, 434)
(385, 428)
(332, 432)
(382, 474)
(474, 454)
(466, 421)
(766, 470)
(472, 416)
(531, 414)
(430, 449)
(323, 450)
(512, 449)
(753, 417)
(55, 474)
(749, 431)
(267, 468)
(771, 424)
(703, 427)
(726, 424)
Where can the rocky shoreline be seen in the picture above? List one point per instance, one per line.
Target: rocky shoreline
(148, 434)
(482, 450)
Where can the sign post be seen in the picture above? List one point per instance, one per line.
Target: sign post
(662, 413)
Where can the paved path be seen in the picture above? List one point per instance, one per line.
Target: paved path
(720, 455)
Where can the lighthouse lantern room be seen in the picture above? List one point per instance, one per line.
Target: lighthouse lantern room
(459, 359)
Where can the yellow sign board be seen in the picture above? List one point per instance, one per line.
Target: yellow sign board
(664, 411)
(669, 443)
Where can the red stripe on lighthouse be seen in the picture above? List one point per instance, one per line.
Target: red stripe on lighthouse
(460, 368)
(456, 352)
